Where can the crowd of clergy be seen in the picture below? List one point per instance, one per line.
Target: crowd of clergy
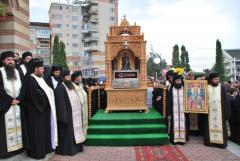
(41, 113)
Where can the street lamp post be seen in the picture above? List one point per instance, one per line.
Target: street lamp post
(156, 61)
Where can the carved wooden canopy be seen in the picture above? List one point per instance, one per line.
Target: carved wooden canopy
(125, 39)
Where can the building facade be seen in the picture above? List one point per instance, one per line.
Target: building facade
(65, 22)
(83, 27)
(232, 63)
(40, 35)
(14, 26)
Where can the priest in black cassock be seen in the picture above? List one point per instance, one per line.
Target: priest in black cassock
(169, 78)
(215, 129)
(25, 63)
(55, 76)
(13, 133)
(175, 111)
(69, 118)
(41, 118)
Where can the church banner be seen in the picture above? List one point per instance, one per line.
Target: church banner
(196, 96)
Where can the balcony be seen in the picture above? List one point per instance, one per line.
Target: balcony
(92, 1)
(94, 29)
(94, 38)
(86, 39)
(94, 10)
(85, 13)
(43, 46)
(94, 47)
(86, 30)
(87, 48)
(94, 19)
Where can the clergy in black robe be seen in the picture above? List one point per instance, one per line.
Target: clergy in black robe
(13, 133)
(215, 129)
(55, 77)
(69, 118)
(41, 118)
(175, 111)
(157, 99)
(24, 66)
(233, 120)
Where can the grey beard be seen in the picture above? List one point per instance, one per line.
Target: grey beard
(10, 72)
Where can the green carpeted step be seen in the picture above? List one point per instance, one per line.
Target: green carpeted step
(126, 118)
(126, 129)
(127, 140)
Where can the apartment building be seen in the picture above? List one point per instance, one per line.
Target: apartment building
(40, 38)
(91, 19)
(232, 63)
(65, 21)
(14, 26)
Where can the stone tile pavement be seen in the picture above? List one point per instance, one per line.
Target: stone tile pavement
(194, 151)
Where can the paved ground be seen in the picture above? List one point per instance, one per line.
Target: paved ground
(194, 151)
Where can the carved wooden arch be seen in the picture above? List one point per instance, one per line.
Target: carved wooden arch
(119, 50)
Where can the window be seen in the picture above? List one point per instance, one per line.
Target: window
(75, 53)
(67, 25)
(86, 54)
(75, 45)
(74, 27)
(67, 7)
(74, 9)
(67, 34)
(74, 18)
(111, 1)
(95, 72)
(112, 10)
(74, 36)
(237, 62)
(58, 7)
(112, 18)
(59, 34)
(43, 51)
(59, 25)
(75, 63)
(59, 17)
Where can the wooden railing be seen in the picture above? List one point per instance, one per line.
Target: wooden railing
(92, 88)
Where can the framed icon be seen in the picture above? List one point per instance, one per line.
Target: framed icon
(196, 96)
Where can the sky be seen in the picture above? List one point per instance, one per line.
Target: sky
(196, 24)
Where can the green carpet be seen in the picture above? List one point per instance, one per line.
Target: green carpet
(127, 129)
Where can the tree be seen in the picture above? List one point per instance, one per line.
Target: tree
(187, 65)
(56, 47)
(219, 65)
(63, 61)
(185, 59)
(59, 53)
(183, 56)
(152, 68)
(2, 9)
(175, 56)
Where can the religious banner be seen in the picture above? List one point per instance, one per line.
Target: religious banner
(195, 96)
